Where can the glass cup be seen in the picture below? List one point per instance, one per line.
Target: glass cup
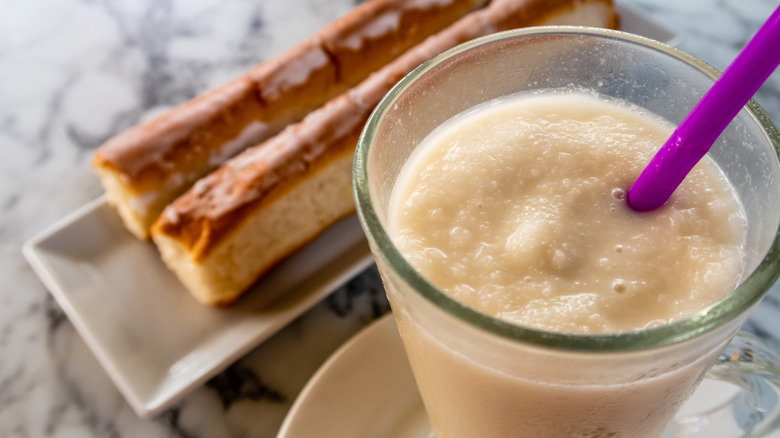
(483, 377)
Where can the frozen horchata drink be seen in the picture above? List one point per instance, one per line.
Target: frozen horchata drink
(531, 300)
(517, 209)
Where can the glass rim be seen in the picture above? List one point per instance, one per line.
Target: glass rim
(748, 293)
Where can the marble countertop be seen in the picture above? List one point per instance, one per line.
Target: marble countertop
(75, 72)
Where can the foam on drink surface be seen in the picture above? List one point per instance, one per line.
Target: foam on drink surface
(517, 209)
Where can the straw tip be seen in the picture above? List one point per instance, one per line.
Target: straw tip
(644, 201)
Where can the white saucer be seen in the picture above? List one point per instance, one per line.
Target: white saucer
(366, 390)
(154, 340)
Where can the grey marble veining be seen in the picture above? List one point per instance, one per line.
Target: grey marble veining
(716, 30)
(73, 73)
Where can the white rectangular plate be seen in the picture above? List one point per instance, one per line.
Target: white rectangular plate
(154, 340)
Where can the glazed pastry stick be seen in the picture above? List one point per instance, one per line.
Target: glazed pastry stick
(148, 166)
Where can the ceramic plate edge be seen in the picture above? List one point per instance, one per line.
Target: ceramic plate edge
(142, 407)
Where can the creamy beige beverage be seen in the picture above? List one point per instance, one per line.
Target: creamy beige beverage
(516, 209)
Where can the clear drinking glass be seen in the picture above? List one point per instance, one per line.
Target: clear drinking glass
(483, 377)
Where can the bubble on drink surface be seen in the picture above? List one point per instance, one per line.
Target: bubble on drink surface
(619, 285)
(459, 236)
(560, 259)
(618, 194)
(618, 248)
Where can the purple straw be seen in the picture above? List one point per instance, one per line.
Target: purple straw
(696, 134)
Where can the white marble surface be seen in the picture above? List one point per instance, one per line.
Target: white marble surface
(74, 72)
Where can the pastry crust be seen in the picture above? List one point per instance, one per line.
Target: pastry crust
(263, 204)
(146, 167)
